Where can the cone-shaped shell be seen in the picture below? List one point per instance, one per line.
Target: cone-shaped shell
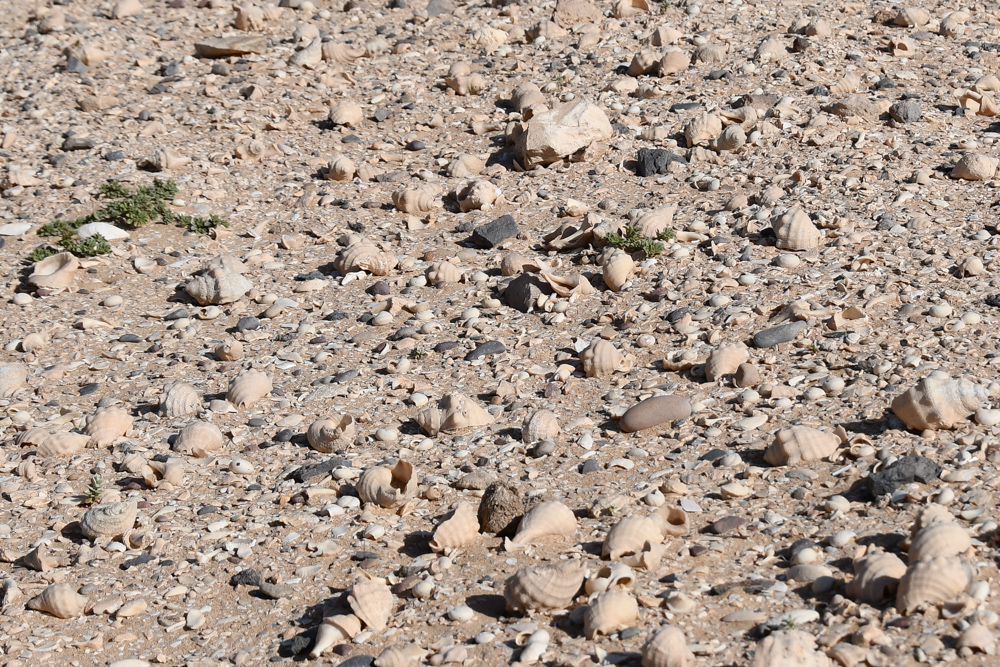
(702, 129)
(309, 57)
(167, 159)
(335, 630)
(63, 444)
(340, 168)
(724, 360)
(630, 535)
(876, 578)
(453, 412)
(800, 444)
(371, 601)
(388, 487)
(544, 587)
(602, 359)
(109, 519)
(608, 612)
(666, 647)
(178, 400)
(329, 435)
(941, 538)
(346, 113)
(247, 388)
(198, 439)
(459, 530)
(618, 270)
(107, 425)
(938, 402)
(59, 600)
(653, 222)
(415, 202)
(795, 231)
(789, 648)
(39, 560)
(978, 637)
(547, 519)
(478, 195)
(539, 425)
(931, 581)
(365, 256)
(56, 272)
(443, 272)
(229, 350)
(673, 521)
(12, 377)
(217, 287)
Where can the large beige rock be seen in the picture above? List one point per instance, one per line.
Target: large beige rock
(975, 167)
(853, 105)
(569, 13)
(567, 131)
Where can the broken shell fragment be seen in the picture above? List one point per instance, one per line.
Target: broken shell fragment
(59, 600)
(478, 195)
(724, 360)
(978, 637)
(459, 530)
(673, 521)
(938, 402)
(702, 129)
(363, 255)
(346, 113)
(629, 536)
(12, 377)
(789, 648)
(608, 612)
(247, 388)
(544, 587)
(229, 350)
(414, 202)
(453, 412)
(388, 487)
(443, 273)
(63, 444)
(371, 601)
(329, 435)
(218, 286)
(56, 272)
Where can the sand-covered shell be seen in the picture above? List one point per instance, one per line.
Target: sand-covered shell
(371, 601)
(609, 611)
(478, 195)
(199, 439)
(978, 637)
(467, 84)
(364, 255)
(702, 129)
(666, 647)
(329, 435)
(651, 223)
(107, 425)
(59, 600)
(953, 25)
(56, 272)
(938, 402)
(388, 487)
(795, 231)
(109, 519)
(247, 388)
(618, 270)
(540, 425)
(800, 444)
(459, 530)
(876, 578)
(443, 273)
(931, 582)
(452, 413)
(939, 539)
(337, 52)
(179, 399)
(62, 444)
(629, 536)
(229, 350)
(603, 359)
(789, 648)
(336, 629)
(546, 519)
(340, 168)
(346, 113)
(414, 201)
(12, 377)
(308, 57)
(33, 342)
(673, 521)
(544, 587)
(217, 287)
(724, 360)
(674, 61)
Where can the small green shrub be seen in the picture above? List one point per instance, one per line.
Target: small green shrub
(631, 240)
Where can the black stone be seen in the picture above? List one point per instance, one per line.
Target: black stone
(75, 143)
(778, 335)
(364, 555)
(441, 348)
(546, 447)
(306, 473)
(590, 466)
(299, 643)
(630, 632)
(75, 65)
(88, 388)
(359, 661)
(138, 560)
(415, 145)
(284, 435)
(677, 314)
(652, 161)
(274, 591)
(489, 347)
(129, 338)
(207, 509)
(727, 524)
(178, 314)
(496, 232)
(336, 315)
(381, 115)
(257, 422)
(380, 288)
(819, 91)
(713, 455)
(346, 376)
(247, 324)
(717, 74)
(114, 156)
(906, 112)
(523, 292)
(158, 89)
(220, 69)
(905, 470)
(885, 83)
(993, 300)
(246, 578)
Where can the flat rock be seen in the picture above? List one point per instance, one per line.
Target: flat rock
(727, 524)
(652, 161)
(782, 333)
(484, 349)
(567, 131)
(223, 47)
(15, 228)
(654, 411)
(495, 232)
(902, 471)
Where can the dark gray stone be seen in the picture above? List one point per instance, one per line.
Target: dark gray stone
(778, 335)
(440, 7)
(903, 471)
(114, 156)
(247, 324)
(523, 292)
(727, 524)
(546, 447)
(88, 388)
(359, 661)
(75, 143)
(652, 161)
(306, 473)
(382, 114)
(483, 349)
(630, 632)
(906, 112)
(129, 338)
(75, 65)
(590, 466)
(446, 346)
(496, 232)
(246, 578)
(274, 591)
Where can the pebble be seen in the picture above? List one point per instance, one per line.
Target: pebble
(782, 333)
(654, 411)
(461, 614)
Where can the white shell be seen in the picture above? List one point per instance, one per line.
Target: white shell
(546, 519)
(178, 400)
(609, 611)
(247, 388)
(109, 519)
(372, 602)
(329, 435)
(795, 231)
(107, 425)
(346, 113)
(539, 425)
(388, 487)
(59, 600)
(666, 647)
(217, 287)
(938, 402)
(618, 270)
(459, 530)
(931, 581)
(56, 272)
(544, 587)
(109, 232)
(199, 439)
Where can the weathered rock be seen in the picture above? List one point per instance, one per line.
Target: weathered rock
(570, 130)
(654, 411)
(904, 470)
(495, 232)
(782, 333)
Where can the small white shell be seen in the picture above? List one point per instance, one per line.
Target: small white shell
(546, 519)
(229, 350)
(218, 286)
(798, 444)
(346, 113)
(618, 270)
(724, 360)
(603, 359)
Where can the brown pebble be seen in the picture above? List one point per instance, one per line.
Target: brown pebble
(746, 376)
(653, 412)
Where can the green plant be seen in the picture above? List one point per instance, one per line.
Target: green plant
(631, 240)
(42, 252)
(92, 246)
(419, 352)
(788, 624)
(95, 489)
(664, 6)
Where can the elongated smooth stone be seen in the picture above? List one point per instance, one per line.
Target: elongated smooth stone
(653, 412)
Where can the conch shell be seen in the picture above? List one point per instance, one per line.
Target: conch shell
(416, 201)
(109, 519)
(62, 444)
(335, 630)
(166, 159)
(702, 129)
(388, 487)
(939, 539)
(59, 600)
(107, 425)
(616, 576)
(528, 96)
(546, 519)
(666, 647)
(978, 637)
(785, 648)
(539, 425)
(795, 231)
(651, 223)
(329, 435)
(229, 350)
(178, 400)
(371, 601)
(629, 536)
(453, 413)
(602, 359)
(364, 255)
(443, 273)
(340, 168)
(876, 578)
(618, 270)
(12, 377)
(468, 84)
(931, 581)
(797, 444)
(56, 272)
(609, 611)
(346, 113)
(247, 388)
(938, 402)
(724, 360)
(478, 195)
(567, 286)
(544, 587)
(157, 473)
(199, 439)
(218, 286)
(459, 530)
(673, 521)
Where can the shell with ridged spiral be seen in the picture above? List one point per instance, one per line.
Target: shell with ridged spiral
(388, 487)
(939, 402)
(328, 435)
(247, 388)
(107, 425)
(364, 255)
(609, 611)
(459, 530)
(876, 578)
(178, 400)
(795, 231)
(931, 582)
(199, 439)
(60, 600)
(544, 587)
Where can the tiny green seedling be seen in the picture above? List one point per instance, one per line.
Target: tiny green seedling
(95, 489)
(631, 240)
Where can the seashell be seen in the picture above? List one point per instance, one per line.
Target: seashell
(938, 402)
(461, 529)
(249, 18)
(648, 558)
(539, 425)
(170, 471)
(179, 399)
(710, 54)
(328, 435)
(653, 222)
(33, 342)
(226, 262)
(978, 637)
(674, 61)
(630, 535)
(876, 578)
(107, 425)
(975, 166)
(247, 388)
(109, 232)
(616, 576)
(310, 56)
(229, 350)
(800, 444)
(12, 377)
(388, 487)
(443, 273)
(953, 25)
(335, 630)
(546, 519)
(912, 17)
(109, 519)
(527, 96)
(59, 600)
(665, 35)
(939, 539)
(667, 647)
(849, 85)
(346, 113)
(471, 84)
(466, 165)
(644, 62)
(770, 50)
(340, 168)
(931, 581)
(626, 8)
(453, 412)
(795, 231)
(489, 36)
(732, 138)
(928, 516)
(618, 270)
(371, 601)
(198, 439)
(36, 559)
(902, 47)
(32, 437)
(55, 272)
(479, 195)
(63, 444)
(406, 655)
(702, 129)
(608, 612)
(789, 648)
(336, 52)
(364, 255)
(218, 286)
(724, 360)
(602, 359)
(673, 521)
(416, 201)
(567, 286)
(166, 159)
(544, 587)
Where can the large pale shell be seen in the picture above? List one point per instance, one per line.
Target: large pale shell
(340, 168)
(795, 231)
(478, 195)
(618, 270)
(725, 360)
(876, 578)
(625, 8)
(247, 388)
(229, 350)
(459, 530)
(310, 56)
(931, 581)
(388, 487)
(939, 539)
(800, 444)
(416, 201)
(929, 515)
(107, 425)
(453, 412)
(179, 399)
(335, 630)
(217, 287)
(346, 113)
(59, 600)
(644, 62)
(371, 601)
(198, 439)
(443, 273)
(546, 519)
(63, 444)
(539, 425)
(630, 535)
(702, 129)
(667, 647)
(912, 17)
(952, 25)
(653, 222)
(109, 519)
(12, 377)
(602, 359)
(468, 84)
(364, 255)
(341, 53)
(567, 286)
(166, 159)
(789, 648)
(608, 612)
(329, 435)
(544, 587)
(673, 521)
(978, 637)
(938, 402)
(56, 272)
